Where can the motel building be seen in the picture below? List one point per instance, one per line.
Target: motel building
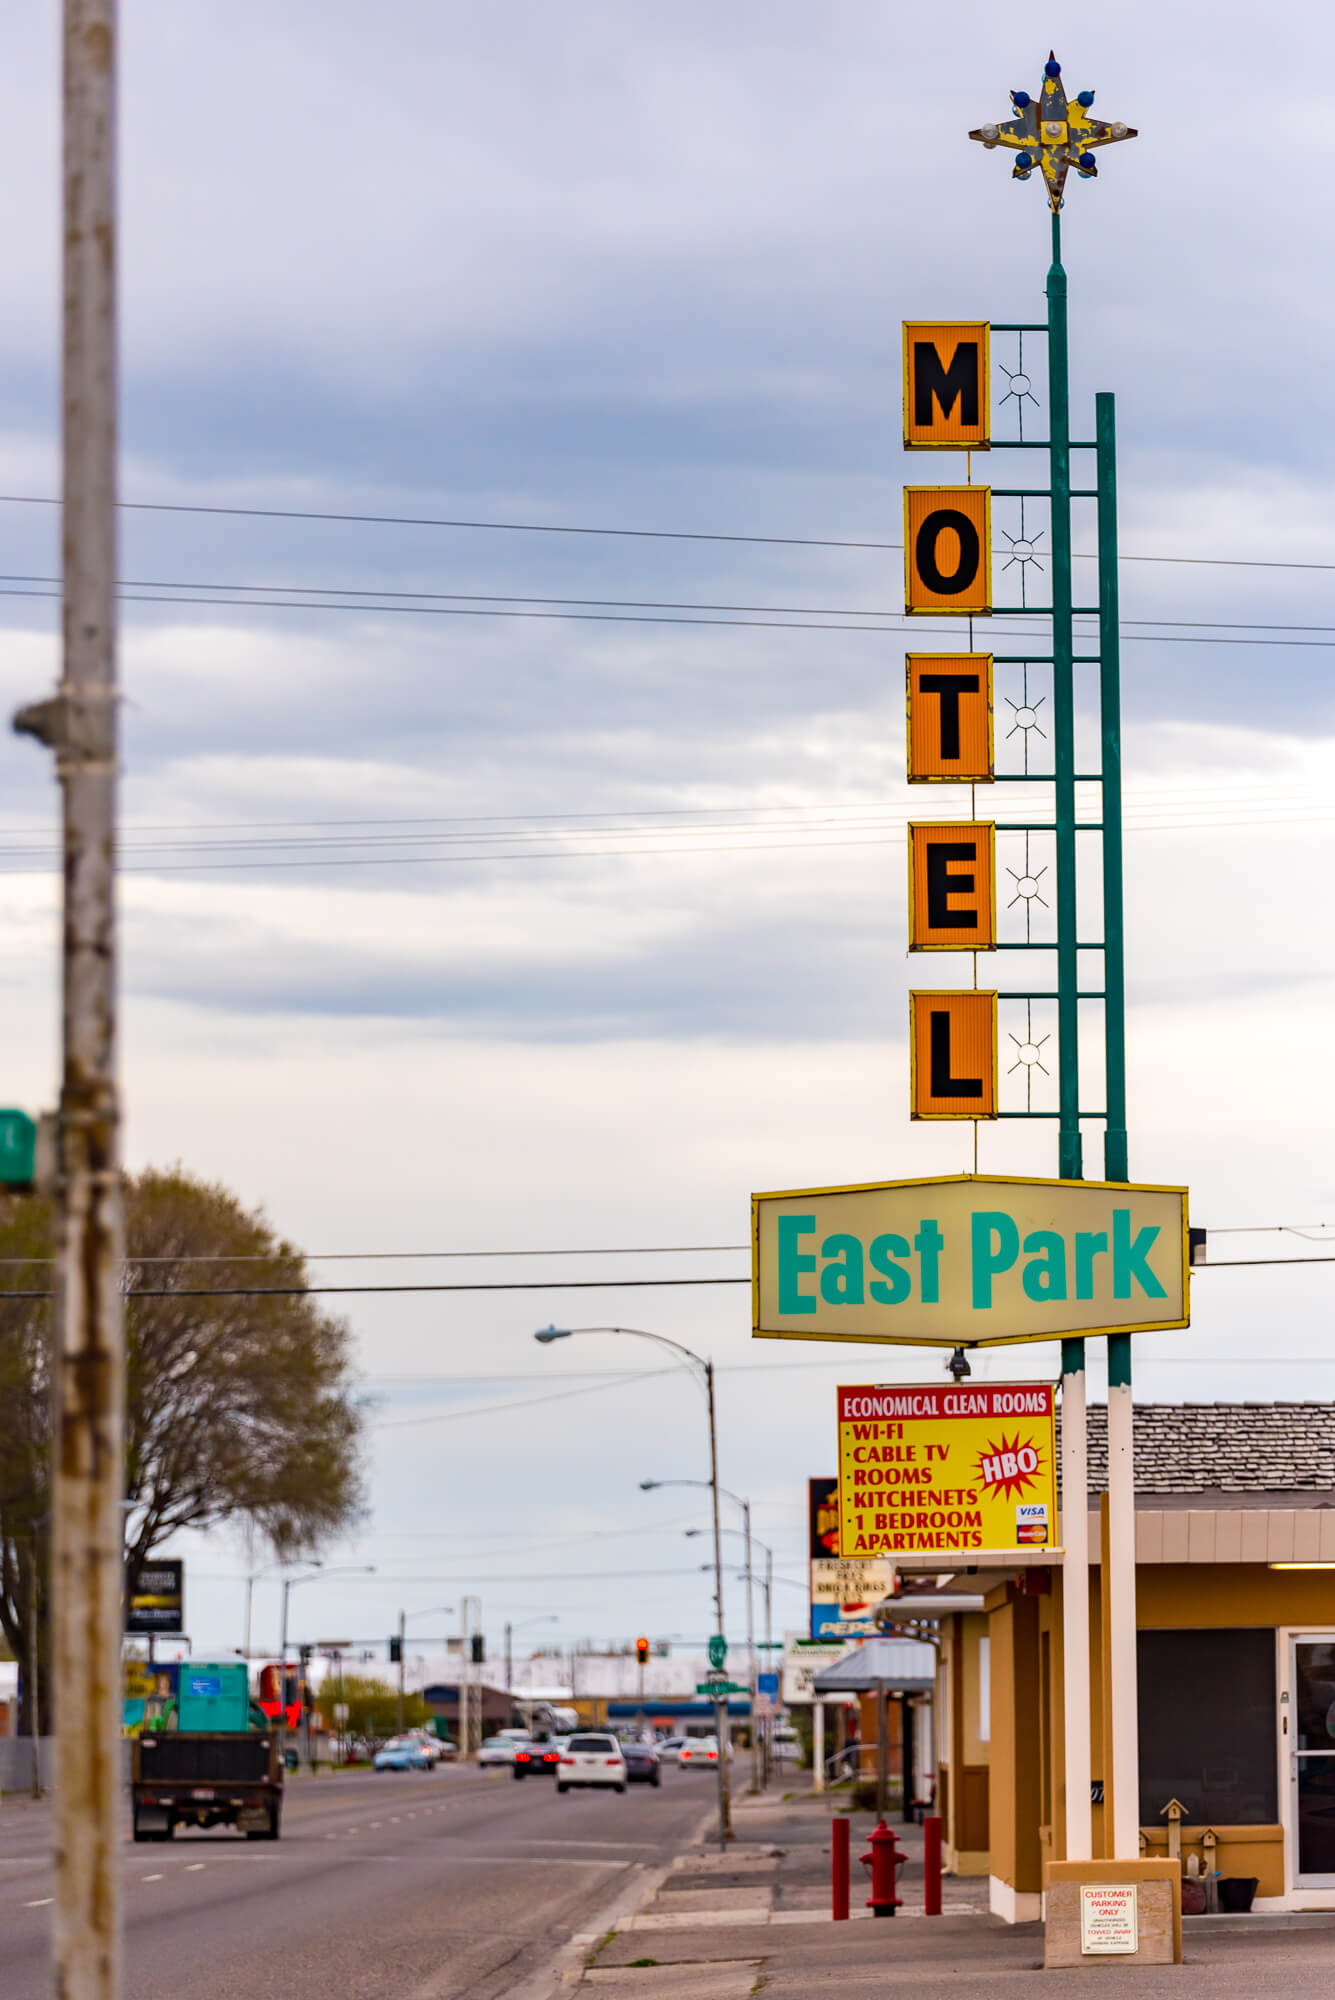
(1235, 1599)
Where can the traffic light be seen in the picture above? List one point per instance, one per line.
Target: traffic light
(395, 1651)
(642, 1651)
(478, 1652)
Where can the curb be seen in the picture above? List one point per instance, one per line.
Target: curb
(567, 1969)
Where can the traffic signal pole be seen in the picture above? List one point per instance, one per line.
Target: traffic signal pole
(403, 1626)
(88, 1364)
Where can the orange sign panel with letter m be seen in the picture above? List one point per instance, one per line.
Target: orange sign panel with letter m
(946, 385)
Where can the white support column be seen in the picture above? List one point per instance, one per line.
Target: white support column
(818, 1747)
(1122, 1694)
(1075, 1603)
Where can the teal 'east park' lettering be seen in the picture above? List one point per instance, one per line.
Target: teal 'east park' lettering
(842, 1270)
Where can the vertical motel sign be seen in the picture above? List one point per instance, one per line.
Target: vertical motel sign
(948, 570)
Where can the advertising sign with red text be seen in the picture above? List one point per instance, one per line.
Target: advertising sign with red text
(957, 1468)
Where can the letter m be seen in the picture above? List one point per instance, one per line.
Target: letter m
(945, 386)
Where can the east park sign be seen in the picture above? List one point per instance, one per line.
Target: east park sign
(970, 1260)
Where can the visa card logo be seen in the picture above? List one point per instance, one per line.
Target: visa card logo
(1031, 1524)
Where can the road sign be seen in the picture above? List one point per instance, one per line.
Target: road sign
(946, 380)
(952, 886)
(973, 1260)
(803, 1659)
(950, 728)
(959, 1468)
(718, 1650)
(948, 550)
(953, 1055)
(18, 1149)
(157, 1602)
(717, 1689)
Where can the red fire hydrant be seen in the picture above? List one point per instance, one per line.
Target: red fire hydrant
(884, 1858)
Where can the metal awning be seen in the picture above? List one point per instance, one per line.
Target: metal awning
(902, 1666)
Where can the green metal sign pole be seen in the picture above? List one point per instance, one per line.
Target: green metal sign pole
(1069, 1165)
(1075, 1470)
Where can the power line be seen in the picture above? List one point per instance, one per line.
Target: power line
(664, 618)
(413, 598)
(401, 1256)
(529, 1284)
(341, 1291)
(632, 534)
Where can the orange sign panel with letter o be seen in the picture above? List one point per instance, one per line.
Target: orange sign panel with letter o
(953, 1055)
(946, 385)
(952, 887)
(948, 549)
(950, 718)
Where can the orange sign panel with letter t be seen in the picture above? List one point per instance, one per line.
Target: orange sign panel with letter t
(946, 385)
(950, 718)
(948, 550)
(952, 887)
(953, 1055)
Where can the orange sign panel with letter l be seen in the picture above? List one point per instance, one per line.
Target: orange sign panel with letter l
(946, 385)
(950, 718)
(948, 549)
(952, 887)
(953, 1055)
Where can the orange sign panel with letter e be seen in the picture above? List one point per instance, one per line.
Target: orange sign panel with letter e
(925, 1467)
(946, 385)
(952, 887)
(948, 549)
(950, 718)
(953, 1055)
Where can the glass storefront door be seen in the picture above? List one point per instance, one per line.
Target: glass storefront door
(1313, 1760)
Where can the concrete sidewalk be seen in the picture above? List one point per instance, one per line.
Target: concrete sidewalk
(757, 1919)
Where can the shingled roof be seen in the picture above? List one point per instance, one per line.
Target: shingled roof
(1258, 1454)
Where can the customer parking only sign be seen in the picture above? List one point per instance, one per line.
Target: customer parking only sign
(958, 1468)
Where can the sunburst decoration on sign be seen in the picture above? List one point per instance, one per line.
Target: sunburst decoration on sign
(1008, 1467)
(1053, 133)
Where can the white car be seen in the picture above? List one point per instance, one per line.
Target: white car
(501, 1749)
(670, 1749)
(591, 1760)
(699, 1752)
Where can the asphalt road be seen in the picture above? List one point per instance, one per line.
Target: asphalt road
(401, 1886)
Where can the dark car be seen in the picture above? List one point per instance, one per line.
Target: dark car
(642, 1765)
(536, 1757)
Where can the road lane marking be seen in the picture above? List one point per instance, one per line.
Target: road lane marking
(150, 1878)
(39, 1903)
(193, 1867)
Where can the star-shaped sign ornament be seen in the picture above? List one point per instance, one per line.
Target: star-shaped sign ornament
(1053, 134)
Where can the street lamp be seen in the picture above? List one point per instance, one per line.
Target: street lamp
(404, 1616)
(543, 1618)
(545, 1336)
(646, 1486)
(290, 1583)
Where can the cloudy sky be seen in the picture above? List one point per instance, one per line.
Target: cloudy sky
(496, 889)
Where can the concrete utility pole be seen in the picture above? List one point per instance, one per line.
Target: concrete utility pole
(88, 1361)
(33, 1703)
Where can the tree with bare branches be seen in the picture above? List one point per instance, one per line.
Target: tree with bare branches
(238, 1408)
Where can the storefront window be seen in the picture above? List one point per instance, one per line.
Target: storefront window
(1207, 1726)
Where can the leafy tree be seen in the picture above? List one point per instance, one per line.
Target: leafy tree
(373, 1709)
(237, 1408)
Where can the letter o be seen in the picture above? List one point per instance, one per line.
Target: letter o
(924, 552)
